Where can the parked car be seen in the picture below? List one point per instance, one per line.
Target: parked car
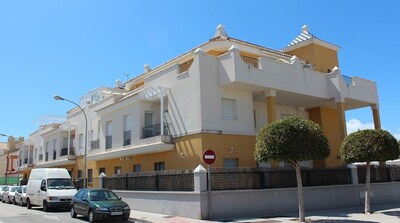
(4, 194)
(20, 196)
(99, 204)
(8, 196)
(2, 189)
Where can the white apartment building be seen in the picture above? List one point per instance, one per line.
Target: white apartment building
(215, 96)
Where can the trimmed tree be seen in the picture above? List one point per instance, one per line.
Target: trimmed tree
(367, 146)
(292, 140)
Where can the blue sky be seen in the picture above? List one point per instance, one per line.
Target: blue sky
(50, 47)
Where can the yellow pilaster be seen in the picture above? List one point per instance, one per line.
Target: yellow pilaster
(377, 119)
(342, 120)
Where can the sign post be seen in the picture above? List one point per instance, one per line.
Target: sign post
(209, 158)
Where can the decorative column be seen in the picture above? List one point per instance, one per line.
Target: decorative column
(353, 173)
(200, 179)
(102, 178)
(377, 124)
(342, 120)
(377, 119)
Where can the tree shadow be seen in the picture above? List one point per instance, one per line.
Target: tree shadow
(391, 213)
(338, 221)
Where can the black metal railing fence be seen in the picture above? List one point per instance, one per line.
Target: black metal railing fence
(240, 178)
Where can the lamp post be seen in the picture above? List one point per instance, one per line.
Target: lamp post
(59, 98)
(8, 153)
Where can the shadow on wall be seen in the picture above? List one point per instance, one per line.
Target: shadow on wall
(176, 117)
(338, 221)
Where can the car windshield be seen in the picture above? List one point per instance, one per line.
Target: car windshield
(60, 184)
(102, 195)
(13, 189)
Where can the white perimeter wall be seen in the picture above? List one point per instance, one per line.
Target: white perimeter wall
(256, 203)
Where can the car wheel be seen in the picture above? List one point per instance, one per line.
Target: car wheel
(15, 203)
(92, 217)
(28, 204)
(45, 207)
(20, 203)
(73, 213)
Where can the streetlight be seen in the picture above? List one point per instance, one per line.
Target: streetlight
(59, 98)
(8, 153)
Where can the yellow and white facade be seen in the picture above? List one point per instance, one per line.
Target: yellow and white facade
(215, 96)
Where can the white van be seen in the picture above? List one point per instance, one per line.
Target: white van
(49, 188)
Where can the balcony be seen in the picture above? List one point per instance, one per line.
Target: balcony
(70, 156)
(59, 161)
(64, 151)
(295, 83)
(152, 144)
(27, 164)
(154, 130)
(95, 144)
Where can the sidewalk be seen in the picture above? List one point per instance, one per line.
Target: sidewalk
(383, 213)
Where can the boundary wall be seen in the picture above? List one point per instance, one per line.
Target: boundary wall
(256, 203)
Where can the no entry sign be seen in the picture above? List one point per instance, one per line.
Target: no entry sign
(209, 157)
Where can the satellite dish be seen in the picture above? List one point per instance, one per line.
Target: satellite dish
(119, 84)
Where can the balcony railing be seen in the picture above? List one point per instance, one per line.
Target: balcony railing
(95, 144)
(64, 151)
(154, 130)
(26, 160)
(127, 138)
(108, 142)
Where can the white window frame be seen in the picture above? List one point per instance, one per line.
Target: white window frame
(228, 109)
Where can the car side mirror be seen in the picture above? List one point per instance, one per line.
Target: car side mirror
(120, 198)
(84, 199)
(43, 188)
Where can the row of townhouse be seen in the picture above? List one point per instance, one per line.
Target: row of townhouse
(215, 96)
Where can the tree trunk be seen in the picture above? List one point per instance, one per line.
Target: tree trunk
(367, 189)
(300, 195)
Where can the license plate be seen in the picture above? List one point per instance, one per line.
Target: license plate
(116, 213)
